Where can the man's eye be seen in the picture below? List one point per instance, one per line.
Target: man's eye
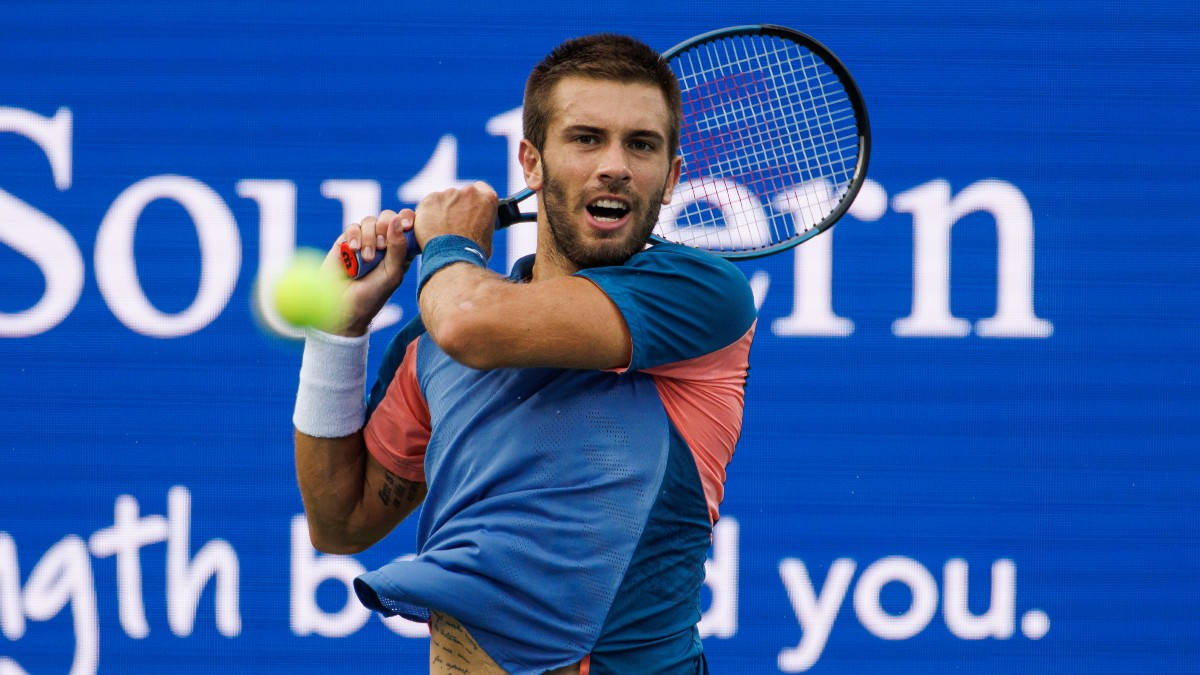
(587, 139)
(643, 146)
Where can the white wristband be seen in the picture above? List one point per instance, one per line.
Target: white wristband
(331, 400)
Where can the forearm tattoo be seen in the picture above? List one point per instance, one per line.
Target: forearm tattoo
(399, 493)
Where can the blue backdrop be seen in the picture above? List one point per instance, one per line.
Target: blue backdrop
(971, 428)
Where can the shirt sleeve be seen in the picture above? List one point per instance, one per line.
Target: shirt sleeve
(678, 302)
(398, 429)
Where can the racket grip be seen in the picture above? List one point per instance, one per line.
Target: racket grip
(357, 268)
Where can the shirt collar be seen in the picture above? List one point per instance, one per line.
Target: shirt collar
(522, 269)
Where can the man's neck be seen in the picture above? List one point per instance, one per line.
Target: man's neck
(549, 262)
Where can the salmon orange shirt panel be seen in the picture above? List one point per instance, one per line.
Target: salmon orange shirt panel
(397, 432)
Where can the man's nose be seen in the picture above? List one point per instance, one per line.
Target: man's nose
(614, 164)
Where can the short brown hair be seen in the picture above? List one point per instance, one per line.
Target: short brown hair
(604, 56)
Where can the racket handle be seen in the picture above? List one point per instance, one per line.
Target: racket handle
(508, 212)
(357, 268)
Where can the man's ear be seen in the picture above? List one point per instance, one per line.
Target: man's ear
(531, 163)
(672, 179)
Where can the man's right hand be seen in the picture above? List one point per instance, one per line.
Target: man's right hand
(469, 211)
(363, 298)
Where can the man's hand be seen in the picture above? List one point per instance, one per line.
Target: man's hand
(467, 212)
(363, 298)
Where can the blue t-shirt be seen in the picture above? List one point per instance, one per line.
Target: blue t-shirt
(569, 511)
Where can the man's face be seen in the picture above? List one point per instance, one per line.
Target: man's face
(605, 170)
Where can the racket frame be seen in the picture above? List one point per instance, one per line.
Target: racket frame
(853, 94)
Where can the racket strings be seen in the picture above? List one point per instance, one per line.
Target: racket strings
(769, 144)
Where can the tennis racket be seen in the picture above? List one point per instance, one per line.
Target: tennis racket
(774, 139)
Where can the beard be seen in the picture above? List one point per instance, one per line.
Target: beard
(605, 248)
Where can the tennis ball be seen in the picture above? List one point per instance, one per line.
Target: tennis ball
(306, 295)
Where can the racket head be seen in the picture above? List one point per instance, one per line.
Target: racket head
(774, 139)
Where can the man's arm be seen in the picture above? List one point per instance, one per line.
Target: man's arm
(483, 321)
(350, 499)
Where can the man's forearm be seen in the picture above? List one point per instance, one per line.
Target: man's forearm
(331, 454)
(331, 473)
(457, 304)
(483, 321)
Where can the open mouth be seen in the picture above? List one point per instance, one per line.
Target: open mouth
(608, 210)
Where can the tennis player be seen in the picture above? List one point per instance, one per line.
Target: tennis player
(566, 428)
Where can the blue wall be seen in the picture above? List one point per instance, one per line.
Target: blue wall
(145, 403)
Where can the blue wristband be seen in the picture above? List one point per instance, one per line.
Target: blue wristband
(447, 249)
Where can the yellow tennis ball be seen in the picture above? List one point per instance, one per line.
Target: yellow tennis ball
(306, 295)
